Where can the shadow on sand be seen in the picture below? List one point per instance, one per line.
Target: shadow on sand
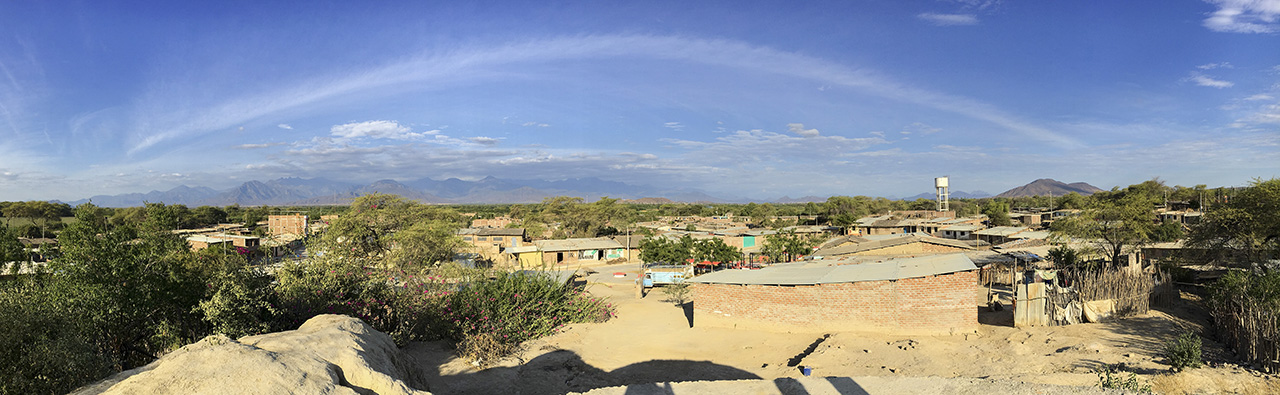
(563, 371)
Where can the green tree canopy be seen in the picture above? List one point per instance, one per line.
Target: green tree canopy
(1244, 230)
(787, 246)
(680, 251)
(1117, 222)
(387, 229)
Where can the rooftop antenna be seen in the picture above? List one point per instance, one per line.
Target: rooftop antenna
(942, 184)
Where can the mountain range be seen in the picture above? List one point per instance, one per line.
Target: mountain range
(1046, 186)
(489, 190)
(319, 191)
(954, 195)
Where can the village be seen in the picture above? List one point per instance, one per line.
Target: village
(900, 295)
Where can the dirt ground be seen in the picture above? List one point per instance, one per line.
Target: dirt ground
(651, 342)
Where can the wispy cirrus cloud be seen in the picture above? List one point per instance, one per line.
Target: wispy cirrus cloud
(1204, 80)
(463, 65)
(1244, 16)
(285, 126)
(258, 146)
(949, 19)
(676, 126)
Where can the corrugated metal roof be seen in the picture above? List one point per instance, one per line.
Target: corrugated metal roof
(874, 242)
(1035, 234)
(207, 239)
(807, 274)
(576, 244)
(1002, 230)
(521, 249)
(962, 228)
(502, 232)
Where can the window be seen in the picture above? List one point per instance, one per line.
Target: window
(484, 238)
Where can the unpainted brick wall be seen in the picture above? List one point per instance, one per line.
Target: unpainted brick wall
(938, 302)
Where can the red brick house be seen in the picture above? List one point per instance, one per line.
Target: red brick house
(933, 294)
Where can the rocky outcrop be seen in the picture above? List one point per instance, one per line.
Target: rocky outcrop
(329, 354)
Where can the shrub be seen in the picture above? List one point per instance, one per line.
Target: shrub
(1183, 352)
(677, 293)
(1109, 376)
(333, 286)
(48, 348)
(512, 308)
(242, 303)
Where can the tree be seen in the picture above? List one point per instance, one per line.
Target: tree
(680, 251)
(1071, 201)
(388, 230)
(1116, 223)
(786, 247)
(715, 250)
(134, 284)
(665, 250)
(207, 216)
(39, 212)
(10, 249)
(1243, 230)
(997, 212)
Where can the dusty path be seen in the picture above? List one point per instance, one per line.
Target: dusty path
(651, 342)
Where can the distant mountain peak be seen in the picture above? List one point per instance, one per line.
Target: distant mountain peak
(1047, 186)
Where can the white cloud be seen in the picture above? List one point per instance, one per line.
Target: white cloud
(285, 126)
(490, 141)
(1260, 96)
(920, 127)
(949, 19)
(798, 128)
(677, 126)
(758, 146)
(1211, 66)
(1203, 80)
(538, 124)
(979, 4)
(257, 146)
(1268, 114)
(1244, 16)
(377, 130)
(877, 133)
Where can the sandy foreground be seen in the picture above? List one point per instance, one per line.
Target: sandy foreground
(651, 342)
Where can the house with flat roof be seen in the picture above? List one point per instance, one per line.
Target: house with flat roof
(571, 251)
(1000, 234)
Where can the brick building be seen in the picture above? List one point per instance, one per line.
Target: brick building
(923, 295)
(498, 222)
(291, 224)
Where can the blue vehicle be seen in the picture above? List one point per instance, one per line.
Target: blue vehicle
(661, 274)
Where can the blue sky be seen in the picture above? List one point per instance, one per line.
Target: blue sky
(740, 99)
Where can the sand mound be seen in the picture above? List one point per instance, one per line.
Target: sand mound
(329, 354)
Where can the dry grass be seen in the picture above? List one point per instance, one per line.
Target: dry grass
(483, 348)
(1192, 382)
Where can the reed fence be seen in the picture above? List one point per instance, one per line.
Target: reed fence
(1251, 327)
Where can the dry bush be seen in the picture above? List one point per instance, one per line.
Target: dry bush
(484, 348)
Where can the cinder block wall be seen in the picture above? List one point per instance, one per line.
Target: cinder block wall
(926, 304)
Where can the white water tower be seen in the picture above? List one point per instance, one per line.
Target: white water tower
(942, 184)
